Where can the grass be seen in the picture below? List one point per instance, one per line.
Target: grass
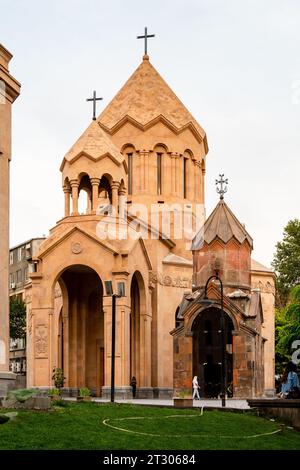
(80, 426)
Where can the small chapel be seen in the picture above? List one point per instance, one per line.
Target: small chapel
(128, 182)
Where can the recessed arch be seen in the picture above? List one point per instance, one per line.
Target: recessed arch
(178, 320)
(188, 154)
(127, 148)
(201, 310)
(207, 351)
(84, 194)
(138, 308)
(81, 328)
(160, 147)
(105, 191)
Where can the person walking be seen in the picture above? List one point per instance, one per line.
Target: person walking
(196, 388)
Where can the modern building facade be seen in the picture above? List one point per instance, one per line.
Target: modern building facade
(20, 266)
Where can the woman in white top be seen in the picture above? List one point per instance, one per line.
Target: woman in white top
(196, 388)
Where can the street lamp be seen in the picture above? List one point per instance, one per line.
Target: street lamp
(120, 293)
(207, 302)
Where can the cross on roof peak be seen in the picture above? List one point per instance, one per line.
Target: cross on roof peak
(146, 36)
(221, 185)
(94, 99)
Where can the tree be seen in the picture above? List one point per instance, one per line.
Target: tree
(287, 261)
(287, 328)
(17, 318)
(58, 377)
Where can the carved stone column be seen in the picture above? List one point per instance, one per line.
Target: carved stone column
(122, 203)
(115, 190)
(74, 185)
(95, 193)
(67, 192)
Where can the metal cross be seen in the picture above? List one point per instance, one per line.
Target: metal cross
(94, 99)
(146, 36)
(222, 182)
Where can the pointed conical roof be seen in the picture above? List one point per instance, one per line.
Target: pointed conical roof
(144, 97)
(221, 224)
(95, 143)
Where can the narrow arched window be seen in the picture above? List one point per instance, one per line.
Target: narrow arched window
(185, 178)
(129, 156)
(159, 179)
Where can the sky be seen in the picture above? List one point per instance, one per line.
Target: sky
(235, 64)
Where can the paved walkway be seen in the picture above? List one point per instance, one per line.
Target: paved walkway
(230, 402)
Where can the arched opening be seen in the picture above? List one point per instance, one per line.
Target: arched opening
(178, 319)
(128, 150)
(185, 164)
(84, 195)
(135, 328)
(207, 354)
(81, 334)
(105, 194)
(188, 175)
(158, 165)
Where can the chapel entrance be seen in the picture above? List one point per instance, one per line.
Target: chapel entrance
(207, 352)
(82, 329)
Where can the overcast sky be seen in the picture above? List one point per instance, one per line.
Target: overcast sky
(235, 64)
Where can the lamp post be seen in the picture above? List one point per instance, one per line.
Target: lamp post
(121, 293)
(206, 301)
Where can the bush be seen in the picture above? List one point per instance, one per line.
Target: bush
(61, 403)
(53, 392)
(84, 392)
(58, 377)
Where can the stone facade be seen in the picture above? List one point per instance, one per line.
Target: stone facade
(129, 182)
(137, 166)
(9, 91)
(222, 249)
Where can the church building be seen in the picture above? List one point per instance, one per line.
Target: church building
(131, 180)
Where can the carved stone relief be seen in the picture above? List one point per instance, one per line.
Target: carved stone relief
(41, 341)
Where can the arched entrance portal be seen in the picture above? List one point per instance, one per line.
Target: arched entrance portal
(207, 352)
(82, 328)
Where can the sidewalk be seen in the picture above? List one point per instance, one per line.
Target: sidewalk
(230, 402)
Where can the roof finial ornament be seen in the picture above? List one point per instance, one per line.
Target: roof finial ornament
(146, 36)
(94, 99)
(222, 183)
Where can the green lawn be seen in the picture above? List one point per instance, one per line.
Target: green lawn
(106, 426)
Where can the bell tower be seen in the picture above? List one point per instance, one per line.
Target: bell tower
(9, 91)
